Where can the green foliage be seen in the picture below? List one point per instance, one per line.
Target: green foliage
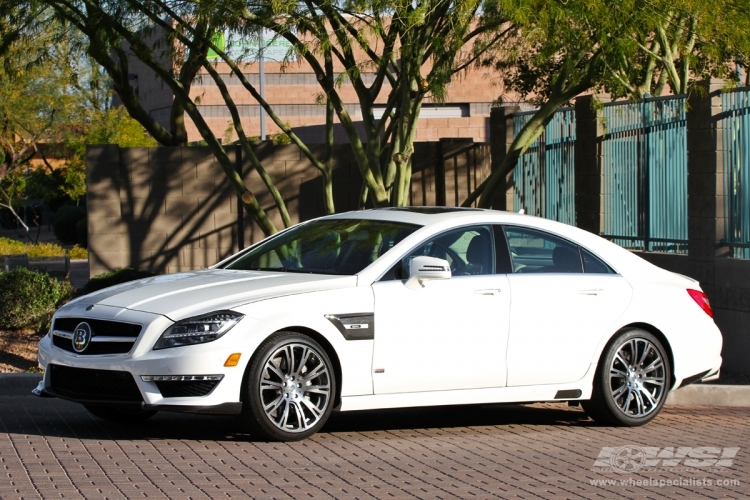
(29, 298)
(111, 126)
(64, 223)
(11, 247)
(280, 139)
(115, 277)
(414, 49)
(78, 253)
(54, 100)
(15, 247)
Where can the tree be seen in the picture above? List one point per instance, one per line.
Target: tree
(560, 52)
(628, 47)
(33, 101)
(52, 94)
(413, 48)
(682, 41)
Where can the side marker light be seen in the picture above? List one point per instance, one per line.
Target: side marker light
(233, 360)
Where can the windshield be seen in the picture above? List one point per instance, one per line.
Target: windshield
(328, 246)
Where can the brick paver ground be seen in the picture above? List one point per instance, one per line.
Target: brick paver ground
(55, 449)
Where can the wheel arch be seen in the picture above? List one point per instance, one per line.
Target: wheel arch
(320, 339)
(659, 335)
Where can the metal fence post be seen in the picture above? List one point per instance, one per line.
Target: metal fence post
(588, 171)
(705, 178)
(501, 133)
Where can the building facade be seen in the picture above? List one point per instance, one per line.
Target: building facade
(292, 90)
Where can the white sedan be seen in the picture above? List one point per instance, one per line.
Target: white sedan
(389, 308)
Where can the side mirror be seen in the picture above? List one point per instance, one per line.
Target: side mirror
(422, 269)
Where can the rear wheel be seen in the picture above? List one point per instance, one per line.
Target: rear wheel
(119, 414)
(289, 388)
(632, 380)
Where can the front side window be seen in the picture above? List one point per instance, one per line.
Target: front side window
(469, 251)
(538, 252)
(328, 246)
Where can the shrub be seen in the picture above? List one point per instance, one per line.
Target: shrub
(44, 250)
(280, 139)
(64, 223)
(14, 247)
(28, 298)
(78, 253)
(11, 247)
(116, 277)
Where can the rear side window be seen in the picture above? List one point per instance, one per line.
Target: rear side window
(593, 264)
(534, 251)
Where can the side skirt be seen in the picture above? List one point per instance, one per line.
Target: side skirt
(527, 394)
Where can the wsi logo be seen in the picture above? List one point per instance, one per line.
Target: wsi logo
(631, 458)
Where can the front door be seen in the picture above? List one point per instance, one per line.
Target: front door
(449, 334)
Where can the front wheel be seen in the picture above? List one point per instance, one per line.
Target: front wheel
(632, 380)
(289, 388)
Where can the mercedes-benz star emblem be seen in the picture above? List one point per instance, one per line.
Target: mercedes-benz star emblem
(82, 337)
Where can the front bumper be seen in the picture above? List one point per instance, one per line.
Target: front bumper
(190, 362)
(217, 409)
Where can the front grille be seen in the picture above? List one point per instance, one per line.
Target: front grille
(93, 385)
(186, 388)
(94, 347)
(101, 328)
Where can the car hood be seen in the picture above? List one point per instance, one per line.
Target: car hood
(182, 295)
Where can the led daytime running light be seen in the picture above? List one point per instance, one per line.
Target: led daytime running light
(198, 330)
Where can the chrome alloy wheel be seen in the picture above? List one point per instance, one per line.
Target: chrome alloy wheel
(637, 377)
(295, 387)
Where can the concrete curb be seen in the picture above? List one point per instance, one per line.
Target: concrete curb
(21, 384)
(711, 395)
(18, 384)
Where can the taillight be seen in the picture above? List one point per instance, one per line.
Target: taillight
(701, 299)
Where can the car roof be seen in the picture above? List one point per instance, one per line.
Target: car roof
(425, 216)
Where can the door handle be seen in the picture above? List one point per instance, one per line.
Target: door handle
(488, 291)
(596, 291)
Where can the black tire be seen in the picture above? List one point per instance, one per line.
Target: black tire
(632, 380)
(120, 415)
(294, 400)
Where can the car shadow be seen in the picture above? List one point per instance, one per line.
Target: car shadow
(47, 417)
(454, 416)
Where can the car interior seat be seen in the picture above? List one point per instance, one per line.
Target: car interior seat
(566, 260)
(479, 255)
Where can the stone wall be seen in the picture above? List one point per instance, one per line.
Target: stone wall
(172, 209)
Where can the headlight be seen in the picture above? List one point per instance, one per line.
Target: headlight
(198, 330)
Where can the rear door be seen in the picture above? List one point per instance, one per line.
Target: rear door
(558, 312)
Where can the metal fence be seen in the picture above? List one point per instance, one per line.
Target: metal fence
(735, 128)
(544, 175)
(644, 162)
